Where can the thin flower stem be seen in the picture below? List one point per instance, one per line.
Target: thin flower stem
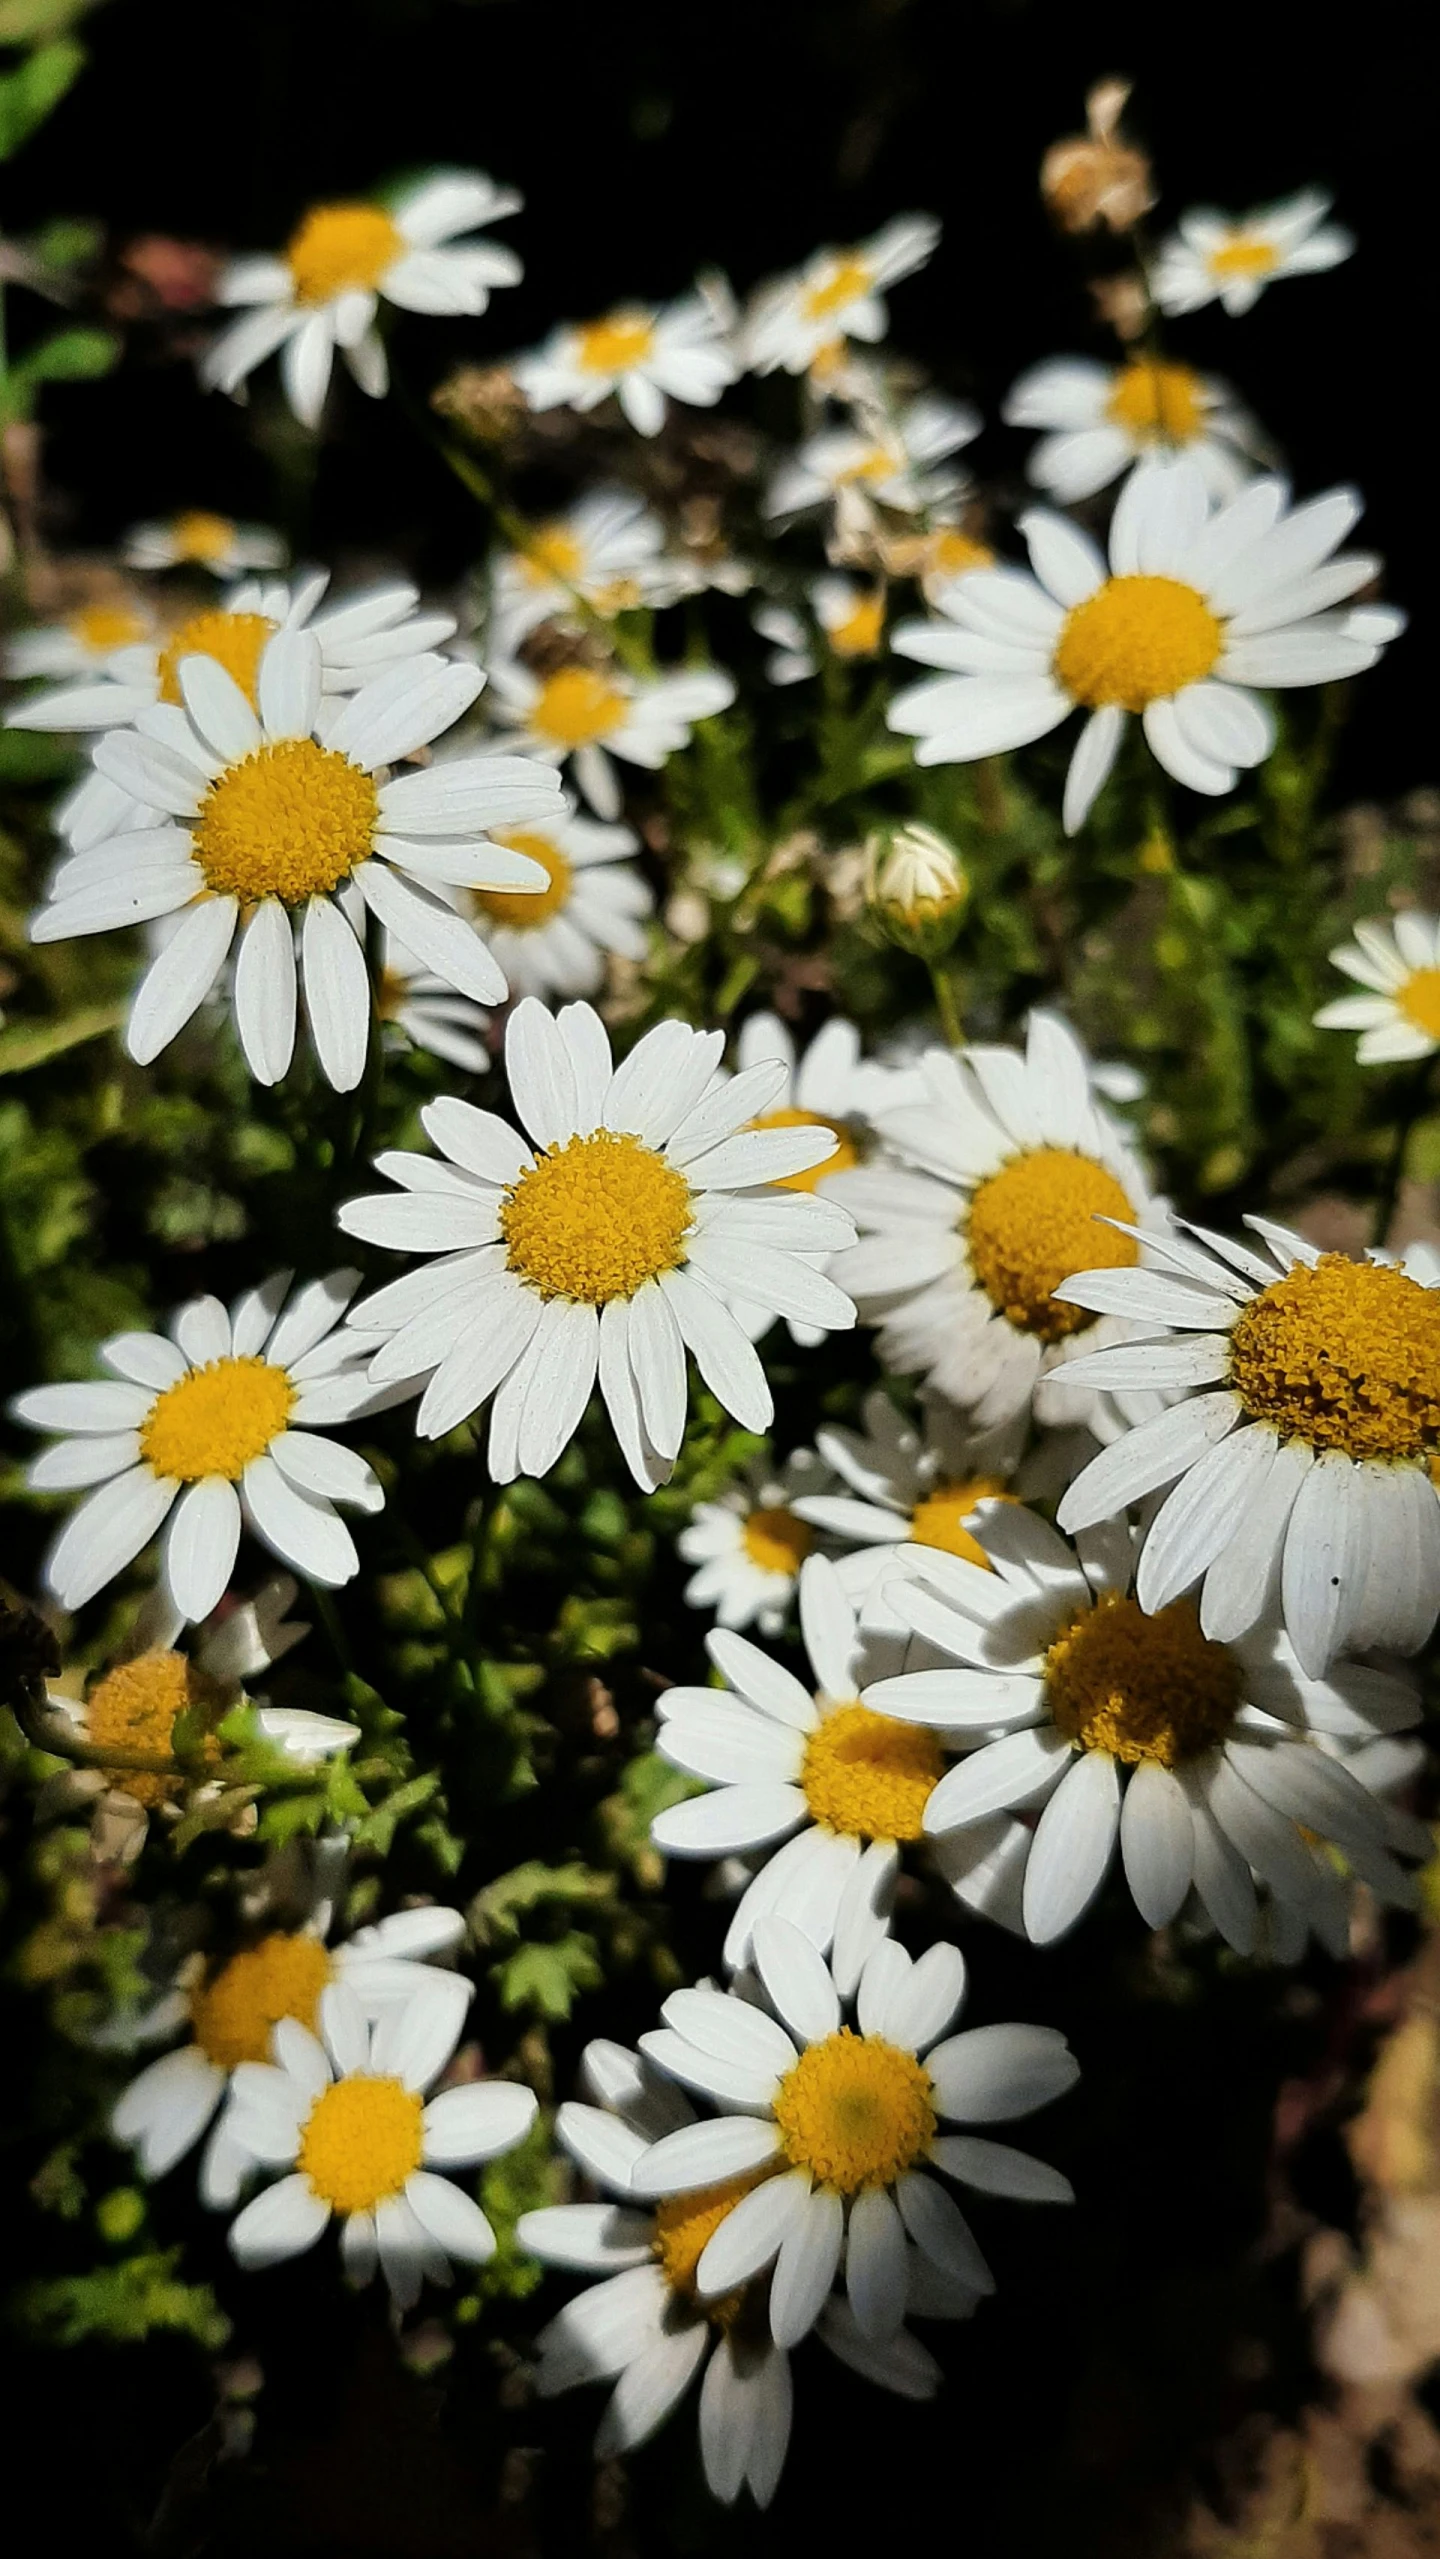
(947, 1003)
(1412, 1103)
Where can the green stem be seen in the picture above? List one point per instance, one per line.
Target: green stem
(947, 1003)
(1412, 1103)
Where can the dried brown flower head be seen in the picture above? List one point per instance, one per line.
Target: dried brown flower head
(1097, 177)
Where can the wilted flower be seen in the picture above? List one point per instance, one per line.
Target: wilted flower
(1098, 178)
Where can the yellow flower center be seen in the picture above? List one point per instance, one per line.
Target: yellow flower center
(215, 1419)
(99, 628)
(1034, 1224)
(855, 2111)
(1346, 1355)
(940, 1518)
(614, 345)
(201, 537)
(596, 1218)
(342, 248)
(870, 1776)
(134, 1708)
(523, 909)
(684, 2228)
(858, 634)
(232, 2013)
(1419, 1000)
(777, 1541)
(363, 2138)
(235, 640)
(1136, 640)
(847, 281)
(290, 821)
(950, 554)
(877, 462)
(577, 707)
(1157, 403)
(1243, 254)
(846, 1152)
(551, 552)
(1141, 1687)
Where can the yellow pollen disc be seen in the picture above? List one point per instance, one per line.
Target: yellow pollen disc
(1243, 254)
(1141, 1687)
(577, 707)
(951, 554)
(290, 821)
(870, 1776)
(134, 1708)
(523, 909)
(1419, 1000)
(777, 1541)
(363, 2138)
(940, 1519)
(848, 281)
(1347, 1356)
(1158, 403)
(846, 1152)
(342, 248)
(235, 641)
(233, 2012)
(1034, 1224)
(613, 345)
(551, 552)
(855, 2111)
(596, 1218)
(684, 2228)
(858, 636)
(1136, 641)
(215, 1419)
(99, 628)
(201, 537)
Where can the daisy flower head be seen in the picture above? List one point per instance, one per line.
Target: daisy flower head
(894, 461)
(267, 819)
(749, 1543)
(344, 2111)
(586, 715)
(640, 354)
(847, 2120)
(605, 1252)
(1397, 962)
(1198, 607)
(905, 1489)
(606, 552)
(1216, 257)
(1101, 420)
(322, 292)
(199, 539)
(984, 1193)
(77, 650)
(417, 1008)
(837, 295)
(1301, 1449)
(225, 2012)
(1134, 1727)
(214, 1422)
(843, 1789)
(594, 906)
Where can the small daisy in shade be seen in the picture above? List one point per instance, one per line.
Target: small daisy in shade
(907, 1491)
(197, 539)
(1301, 1451)
(261, 820)
(215, 1422)
(1100, 420)
(323, 291)
(418, 1007)
(594, 713)
(750, 1542)
(990, 1188)
(642, 355)
(836, 295)
(847, 2119)
(605, 1254)
(1199, 606)
(841, 1787)
(344, 2110)
(228, 2009)
(606, 553)
(1217, 257)
(1398, 962)
(594, 906)
(78, 650)
(1197, 1758)
(894, 461)
(945, 552)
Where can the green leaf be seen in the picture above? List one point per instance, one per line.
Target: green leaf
(74, 355)
(549, 1979)
(124, 2303)
(24, 1045)
(29, 92)
(22, 21)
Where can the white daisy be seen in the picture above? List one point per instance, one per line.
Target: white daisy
(1197, 1757)
(345, 2113)
(593, 906)
(1301, 1449)
(1398, 961)
(749, 1543)
(641, 354)
(227, 2011)
(890, 459)
(607, 1253)
(1216, 257)
(1100, 420)
(323, 291)
(198, 539)
(215, 1422)
(1200, 606)
(836, 295)
(971, 1218)
(908, 1490)
(848, 2120)
(594, 713)
(80, 647)
(263, 819)
(607, 552)
(422, 1009)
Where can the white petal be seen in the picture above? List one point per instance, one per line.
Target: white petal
(992, 2072)
(805, 2268)
(704, 2154)
(875, 2266)
(751, 2236)
(451, 2218)
(1157, 1842)
(797, 1979)
(265, 992)
(201, 1545)
(283, 2222)
(1072, 1848)
(337, 993)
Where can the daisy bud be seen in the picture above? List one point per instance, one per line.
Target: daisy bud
(916, 889)
(1097, 178)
